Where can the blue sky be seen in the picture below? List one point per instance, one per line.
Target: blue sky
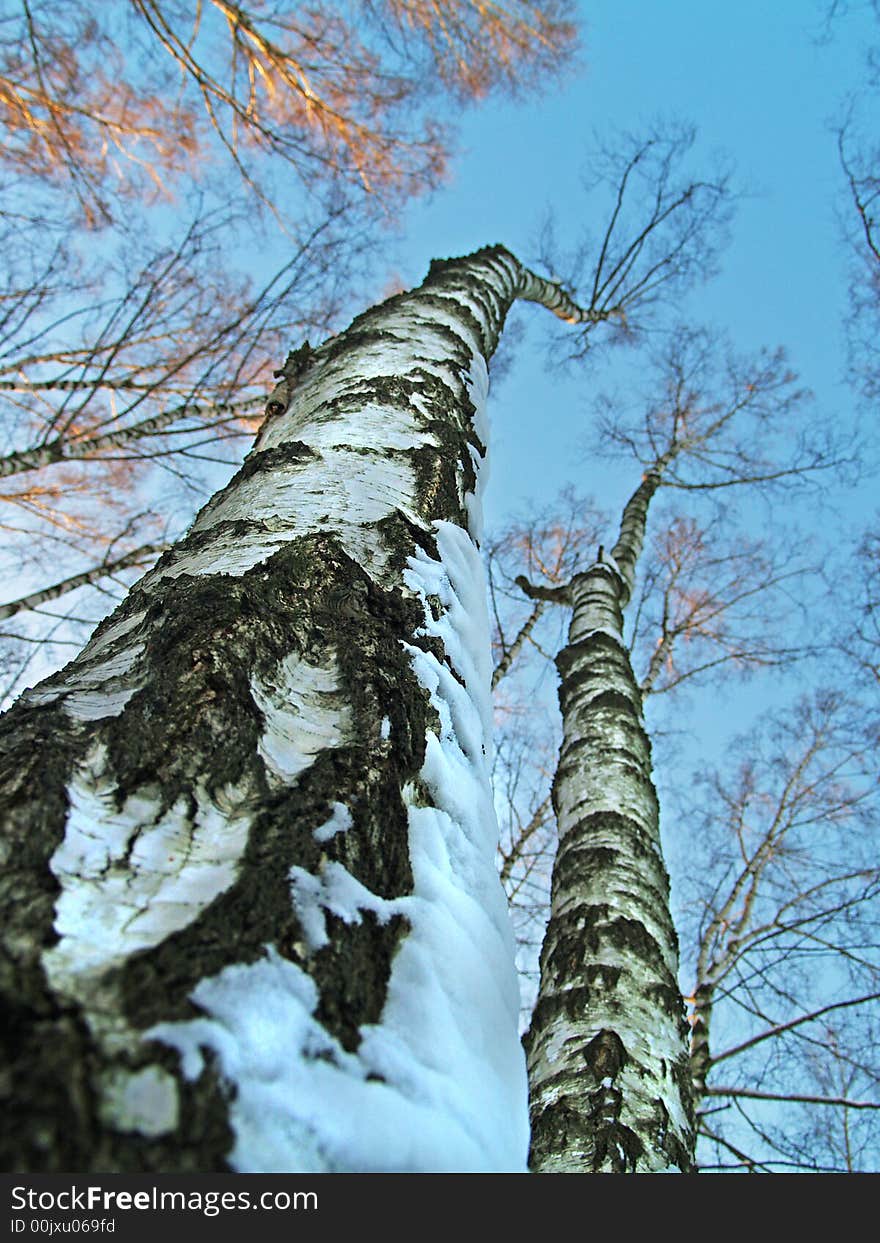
(763, 87)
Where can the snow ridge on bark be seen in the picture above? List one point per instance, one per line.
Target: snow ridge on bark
(439, 1078)
(282, 984)
(441, 1081)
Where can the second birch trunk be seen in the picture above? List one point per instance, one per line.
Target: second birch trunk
(607, 1048)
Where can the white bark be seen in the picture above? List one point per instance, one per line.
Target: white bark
(253, 919)
(608, 1063)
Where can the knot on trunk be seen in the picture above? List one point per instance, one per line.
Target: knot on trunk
(605, 1055)
(279, 399)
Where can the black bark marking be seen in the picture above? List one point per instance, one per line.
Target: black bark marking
(194, 722)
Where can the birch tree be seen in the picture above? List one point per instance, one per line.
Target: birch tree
(706, 607)
(608, 1061)
(779, 914)
(607, 1054)
(548, 546)
(252, 909)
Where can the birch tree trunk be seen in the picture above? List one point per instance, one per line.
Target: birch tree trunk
(607, 1047)
(251, 915)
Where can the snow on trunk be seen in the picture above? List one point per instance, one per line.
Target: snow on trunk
(607, 1047)
(252, 918)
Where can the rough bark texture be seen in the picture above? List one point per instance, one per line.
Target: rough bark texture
(249, 908)
(607, 1051)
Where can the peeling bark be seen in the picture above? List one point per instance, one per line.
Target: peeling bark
(607, 1047)
(251, 917)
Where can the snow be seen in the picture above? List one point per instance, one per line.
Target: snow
(337, 891)
(303, 1102)
(477, 385)
(339, 822)
(439, 1083)
(306, 892)
(145, 1101)
(458, 579)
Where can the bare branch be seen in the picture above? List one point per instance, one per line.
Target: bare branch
(754, 1095)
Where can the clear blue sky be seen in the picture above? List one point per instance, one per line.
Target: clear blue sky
(761, 84)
